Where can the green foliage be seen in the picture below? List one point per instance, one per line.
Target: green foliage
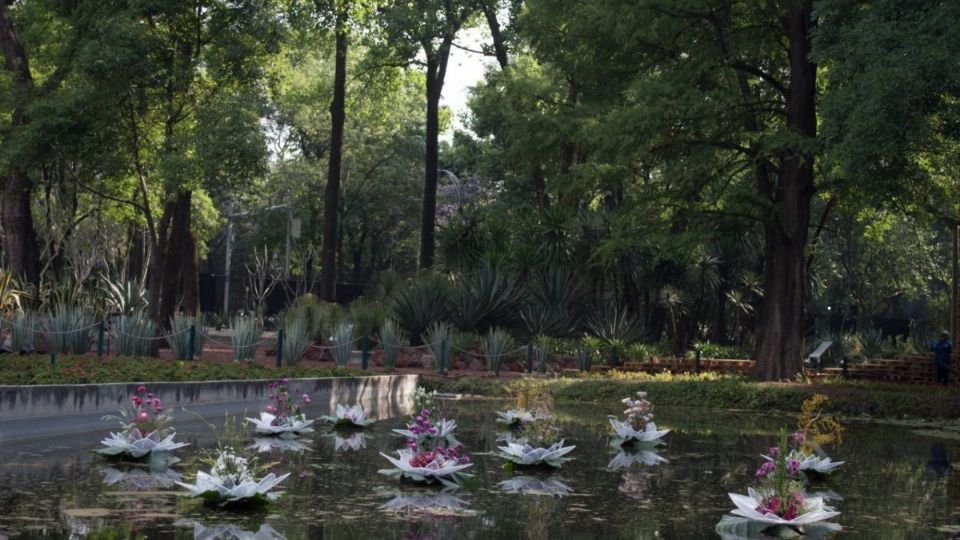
(616, 329)
(245, 336)
(482, 299)
(439, 340)
(178, 337)
(124, 298)
(134, 334)
(367, 317)
(422, 302)
(296, 340)
(554, 303)
(497, 344)
(341, 343)
(391, 340)
(542, 347)
(584, 356)
(23, 331)
(67, 329)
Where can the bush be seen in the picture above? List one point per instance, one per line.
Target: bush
(391, 340)
(439, 341)
(179, 336)
(246, 335)
(367, 317)
(615, 328)
(23, 331)
(483, 299)
(341, 343)
(296, 340)
(134, 334)
(553, 304)
(67, 329)
(421, 303)
(496, 346)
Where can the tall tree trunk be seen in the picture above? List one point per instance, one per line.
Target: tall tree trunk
(19, 235)
(331, 200)
(780, 332)
(429, 216)
(191, 276)
(499, 45)
(173, 261)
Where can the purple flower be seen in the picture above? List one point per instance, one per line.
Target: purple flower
(799, 438)
(793, 466)
(774, 451)
(766, 468)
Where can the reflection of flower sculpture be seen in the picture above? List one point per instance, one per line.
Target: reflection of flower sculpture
(625, 460)
(531, 485)
(780, 499)
(140, 479)
(515, 418)
(356, 441)
(432, 454)
(739, 528)
(264, 445)
(638, 426)
(231, 481)
(352, 416)
(144, 431)
(226, 531)
(634, 484)
(443, 502)
(284, 415)
(526, 455)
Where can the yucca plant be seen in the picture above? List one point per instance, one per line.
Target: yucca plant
(341, 343)
(367, 317)
(246, 334)
(419, 304)
(134, 334)
(391, 339)
(496, 345)
(439, 341)
(296, 339)
(554, 303)
(483, 299)
(179, 335)
(67, 329)
(615, 328)
(541, 349)
(584, 357)
(124, 297)
(23, 331)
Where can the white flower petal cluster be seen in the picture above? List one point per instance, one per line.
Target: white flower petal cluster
(354, 416)
(230, 481)
(226, 531)
(431, 503)
(524, 454)
(515, 417)
(140, 479)
(445, 428)
(438, 469)
(137, 445)
(812, 463)
(290, 426)
(627, 433)
(814, 510)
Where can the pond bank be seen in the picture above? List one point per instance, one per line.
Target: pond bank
(847, 398)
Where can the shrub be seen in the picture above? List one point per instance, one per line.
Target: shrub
(246, 335)
(296, 339)
(615, 328)
(496, 345)
(67, 329)
(553, 304)
(421, 303)
(179, 336)
(341, 343)
(483, 299)
(134, 334)
(391, 339)
(23, 331)
(584, 357)
(439, 342)
(367, 317)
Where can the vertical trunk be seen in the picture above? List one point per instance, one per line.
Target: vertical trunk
(540, 188)
(191, 276)
(429, 216)
(780, 332)
(20, 237)
(157, 254)
(331, 201)
(499, 45)
(173, 259)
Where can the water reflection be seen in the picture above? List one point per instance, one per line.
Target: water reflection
(264, 445)
(532, 485)
(354, 442)
(228, 531)
(139, 479)
(445, 502)
(624, 459)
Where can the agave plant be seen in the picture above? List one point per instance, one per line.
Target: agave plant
(134, 334)
(341, 343)
(178, 337)
(615, 328)
(483, 299)
(439, 341)
(67, 329)
(296, 339)
(126, 297)
(541, 350)
(421, 303)
(246, 334)
(496, 345)
(367, 317)
(23, 331)
(391, 339)
(553, 304)
(584, 357)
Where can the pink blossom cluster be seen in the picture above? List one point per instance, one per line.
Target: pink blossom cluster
(147, 406)
(639, 411)
(787, 510)
(283, 405)
(428, 447)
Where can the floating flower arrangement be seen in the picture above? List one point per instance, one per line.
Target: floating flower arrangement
(145, 429)
(349, 417)
(284, 416)
(537, 445)
(639, 427)
(515, 418)
(810, 464)
(232, 481)
(432, 454)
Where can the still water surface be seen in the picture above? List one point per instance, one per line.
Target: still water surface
(897, 485)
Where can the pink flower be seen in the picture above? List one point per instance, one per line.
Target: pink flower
(271, 409)
(766, 468)
(774, 451)
(799, 438)
(141, 389)
(793, 466)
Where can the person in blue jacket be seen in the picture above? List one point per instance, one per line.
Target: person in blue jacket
(941, 357)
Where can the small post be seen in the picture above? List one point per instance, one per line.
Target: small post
(280, 348)
(364, 352)
(442, 361)
(100, 330)
(53, 359)
(529, 357)
(191, 342)
(843, 364)
(696, 360)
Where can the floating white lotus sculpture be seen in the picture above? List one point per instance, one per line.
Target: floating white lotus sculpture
(263, 445)
(231, 482)
(739, 528)
(531, 485)
(287, 426)
(626, 433)
(515, 418)
(814, 510)
(445, 429)
(624, 460)
(437, 468)
(524, 454)
(352, 416)
(812, 464)
(138, 445)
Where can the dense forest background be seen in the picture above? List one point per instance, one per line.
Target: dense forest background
(673, 173)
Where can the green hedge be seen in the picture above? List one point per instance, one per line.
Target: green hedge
(36, 369)
(879, 400)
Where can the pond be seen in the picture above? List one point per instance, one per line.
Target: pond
(897, 485)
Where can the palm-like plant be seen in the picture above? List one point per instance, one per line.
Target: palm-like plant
(496, 344)
(422, 302)
(124, 297)
(391, 339)
(554, 303)
(134, 334)
(482, 299)
(615, 328)
(439, 341)
(178, 337)
(671, 300)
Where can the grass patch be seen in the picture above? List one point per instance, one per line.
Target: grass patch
(36, 369)
(883, 400)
